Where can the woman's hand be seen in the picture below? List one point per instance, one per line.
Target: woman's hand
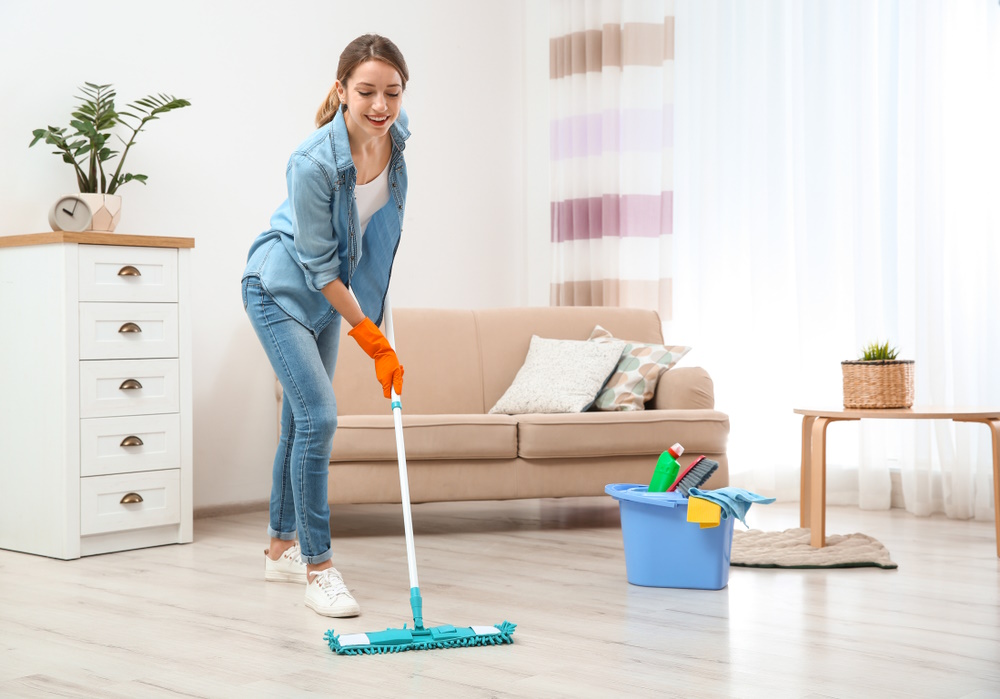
(387, 367)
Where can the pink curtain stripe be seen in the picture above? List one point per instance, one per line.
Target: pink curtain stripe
(627, 131)
(611, 46)
(613, 216)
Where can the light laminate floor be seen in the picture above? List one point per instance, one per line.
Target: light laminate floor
(199, 621)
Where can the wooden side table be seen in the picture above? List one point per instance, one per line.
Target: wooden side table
(812, 508)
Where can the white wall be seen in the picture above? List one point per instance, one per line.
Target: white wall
(477, 216)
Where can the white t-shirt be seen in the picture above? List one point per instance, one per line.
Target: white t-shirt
(371, 197)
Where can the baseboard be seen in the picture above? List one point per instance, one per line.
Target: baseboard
(237, 508)
(895, 479)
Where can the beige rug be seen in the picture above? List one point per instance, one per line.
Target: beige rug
(790, 549)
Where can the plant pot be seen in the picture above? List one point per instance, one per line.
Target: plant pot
(106, 211)
(878, 384)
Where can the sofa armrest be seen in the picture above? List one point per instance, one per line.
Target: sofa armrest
(684, 388)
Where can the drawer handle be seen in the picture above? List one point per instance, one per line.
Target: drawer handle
(131, 499)
(130, 328)
(131, 441)
(129, 385)
(129, 271)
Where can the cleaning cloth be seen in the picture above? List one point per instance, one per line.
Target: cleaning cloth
(705, 512)
(734, 501)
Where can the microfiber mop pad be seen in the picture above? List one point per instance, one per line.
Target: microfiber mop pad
(734, 501)
(397, 640)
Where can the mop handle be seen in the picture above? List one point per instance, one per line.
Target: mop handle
(404, 485)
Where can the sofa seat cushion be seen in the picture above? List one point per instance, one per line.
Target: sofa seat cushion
(602, 434)
(461, 436)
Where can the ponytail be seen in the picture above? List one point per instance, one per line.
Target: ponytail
(328, 110)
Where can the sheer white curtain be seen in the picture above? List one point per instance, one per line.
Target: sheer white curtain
(836, 180)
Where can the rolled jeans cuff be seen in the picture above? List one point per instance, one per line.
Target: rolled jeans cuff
(316, 560)
(284, 536)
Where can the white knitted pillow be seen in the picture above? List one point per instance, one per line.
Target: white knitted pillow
(559, 376)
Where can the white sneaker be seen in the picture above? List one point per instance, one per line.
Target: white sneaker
(288, 568)
(327, 594)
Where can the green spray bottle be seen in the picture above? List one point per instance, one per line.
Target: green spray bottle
(666, 470)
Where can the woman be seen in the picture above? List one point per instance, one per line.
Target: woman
(337, 233)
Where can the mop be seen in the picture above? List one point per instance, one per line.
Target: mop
(417, 638)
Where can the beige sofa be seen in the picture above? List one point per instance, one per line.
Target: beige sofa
(458, 363)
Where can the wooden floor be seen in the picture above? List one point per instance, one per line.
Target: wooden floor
(199, 621)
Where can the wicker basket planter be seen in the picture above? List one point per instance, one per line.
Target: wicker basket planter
(878, 384)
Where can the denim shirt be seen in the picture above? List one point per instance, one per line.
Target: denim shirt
(313, 238)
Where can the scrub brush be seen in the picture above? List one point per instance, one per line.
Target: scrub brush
(694, 476)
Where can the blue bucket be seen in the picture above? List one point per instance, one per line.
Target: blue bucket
(663, 549)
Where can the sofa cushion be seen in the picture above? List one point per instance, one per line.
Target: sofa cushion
(633, 382)
(559, 376)
(598, 434)
(454, 436)
(439, 350)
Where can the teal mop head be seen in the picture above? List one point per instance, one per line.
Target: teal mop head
(399, 640)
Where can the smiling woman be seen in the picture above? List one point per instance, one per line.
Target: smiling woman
(347, 182)
(372, 102)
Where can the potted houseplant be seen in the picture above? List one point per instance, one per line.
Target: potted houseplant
(878, 379)
(86, 145)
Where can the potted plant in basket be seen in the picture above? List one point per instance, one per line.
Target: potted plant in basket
(87, 149)
(878, 379)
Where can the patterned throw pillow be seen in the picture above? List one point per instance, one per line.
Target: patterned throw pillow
(639, 368)
(559, 376)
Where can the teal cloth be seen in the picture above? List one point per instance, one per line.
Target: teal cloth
(734, 501)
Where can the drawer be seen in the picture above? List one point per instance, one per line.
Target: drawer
(128, 330)
(113, 273)
(129, 444)
(129, 387)
(129, 501)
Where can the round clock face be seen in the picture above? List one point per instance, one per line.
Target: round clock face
(70, 214)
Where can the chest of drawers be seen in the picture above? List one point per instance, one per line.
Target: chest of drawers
(95, 393)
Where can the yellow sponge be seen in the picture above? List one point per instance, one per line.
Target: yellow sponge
(704, 512)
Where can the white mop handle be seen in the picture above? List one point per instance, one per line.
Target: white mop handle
(404, 484)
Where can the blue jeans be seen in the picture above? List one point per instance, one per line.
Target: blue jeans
(304, 365)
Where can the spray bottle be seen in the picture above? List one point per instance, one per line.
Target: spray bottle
(666, 470)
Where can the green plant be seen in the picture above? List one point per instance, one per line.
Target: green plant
(94, 120)
(875, 352)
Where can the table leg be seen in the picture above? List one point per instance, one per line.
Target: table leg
(994, 426)
(804, 471)
(817, 483)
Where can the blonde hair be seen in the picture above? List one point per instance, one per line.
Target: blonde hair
(364, 48)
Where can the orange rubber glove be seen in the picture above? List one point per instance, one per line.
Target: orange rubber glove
(387, 367)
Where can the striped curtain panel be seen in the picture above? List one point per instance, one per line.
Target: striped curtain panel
(611, 74)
